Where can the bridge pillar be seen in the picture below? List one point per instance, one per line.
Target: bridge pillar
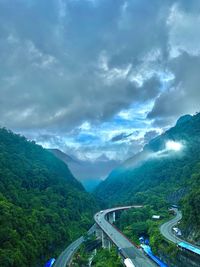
(114, 217)
(109, 245)
(103, 239)
(111, 217)
(98, 232)
(106, 243)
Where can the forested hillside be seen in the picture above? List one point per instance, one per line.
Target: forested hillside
(165, 175)
(80, 169)
(42, 206)
(191, 209)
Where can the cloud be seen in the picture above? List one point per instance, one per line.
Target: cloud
(65, 68)
(150, 135)
(174, 146)
(184, 95)
(120, 137)
(181, 31)
(79, 74)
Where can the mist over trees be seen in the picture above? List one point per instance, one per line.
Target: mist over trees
(167, 177)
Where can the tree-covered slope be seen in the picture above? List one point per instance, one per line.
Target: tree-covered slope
(42, 206)
(191, 209)
(168, 172)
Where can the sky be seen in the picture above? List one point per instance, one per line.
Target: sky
(98, 78)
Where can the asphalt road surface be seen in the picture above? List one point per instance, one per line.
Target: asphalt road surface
(166, 230)
(136, 255)
(66, 256)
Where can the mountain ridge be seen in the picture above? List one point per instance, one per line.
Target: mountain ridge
(87, 171)
(170, 172)
(42, 206)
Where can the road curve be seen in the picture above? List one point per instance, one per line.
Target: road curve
(66, 256)
(137, 256)
(166, 230)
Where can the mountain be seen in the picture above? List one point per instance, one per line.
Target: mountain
(166, 171)
(64, 157)
(89, 173)
(42, 206)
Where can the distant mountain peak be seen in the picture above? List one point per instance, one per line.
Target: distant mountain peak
(162, 167)
(63, 156)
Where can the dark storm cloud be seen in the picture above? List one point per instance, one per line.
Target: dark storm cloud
(184, 95)
(120, 137)
(67, 62)
(53, 75)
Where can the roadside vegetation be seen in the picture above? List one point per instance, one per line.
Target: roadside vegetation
(91, 255)
(136, 223)
(167, 176)
(106, 258)
(42, 206)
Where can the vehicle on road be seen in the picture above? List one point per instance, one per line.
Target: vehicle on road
(128, 263)
(176, 231)
(173, 234)
(126, 249)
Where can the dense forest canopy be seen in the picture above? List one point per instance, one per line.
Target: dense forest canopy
(42, 206)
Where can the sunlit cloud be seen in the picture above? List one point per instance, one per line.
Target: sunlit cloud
(173, 146)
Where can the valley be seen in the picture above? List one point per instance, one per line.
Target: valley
(99, 133)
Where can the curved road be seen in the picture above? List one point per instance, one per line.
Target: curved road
(166, 230)
(66, 256)
(137, 256)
